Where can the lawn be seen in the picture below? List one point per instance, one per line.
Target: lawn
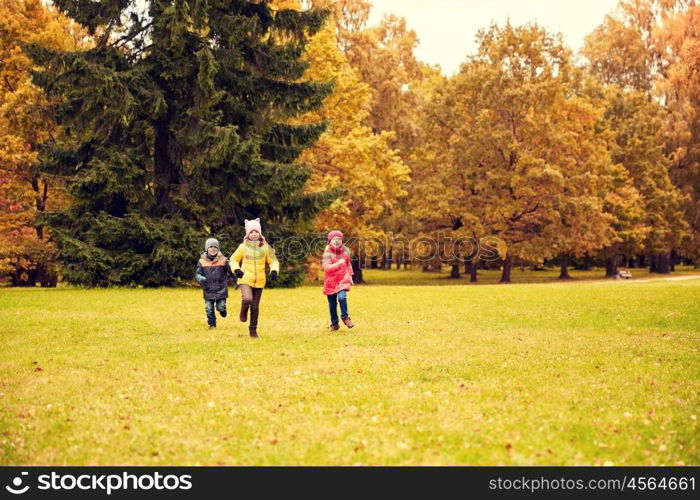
(576, 373)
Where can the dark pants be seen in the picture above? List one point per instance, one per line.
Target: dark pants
(250, 299)
(209, 306)
(333, 300)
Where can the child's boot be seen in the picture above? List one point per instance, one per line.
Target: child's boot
(348, 322)
(254, 334)
(334, 327)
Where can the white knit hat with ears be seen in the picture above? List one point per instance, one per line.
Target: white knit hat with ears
(253, 225)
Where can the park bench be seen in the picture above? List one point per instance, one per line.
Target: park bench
(624, 273)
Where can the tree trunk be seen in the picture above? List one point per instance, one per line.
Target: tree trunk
(587, 262)
(663, 263)
(405, 264)
(164, 174)
(564, 272)
(507, 266)
(472, 271)
(46, 277)
(18, 280)
(641, 261)
(610, 267)
(357, 270)
(454, 273)
(40, 202)
(433, 265)
(674, 260)
(653, 259)
(373, 262)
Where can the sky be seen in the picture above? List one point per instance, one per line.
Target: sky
(446, 28)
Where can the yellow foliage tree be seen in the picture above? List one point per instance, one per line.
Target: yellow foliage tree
(646, 52)
(513, 151)
(350, 155)
(26, 255)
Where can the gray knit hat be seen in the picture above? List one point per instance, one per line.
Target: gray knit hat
(212, 242)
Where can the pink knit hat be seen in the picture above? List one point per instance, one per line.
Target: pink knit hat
(333, 234)
(253, 225)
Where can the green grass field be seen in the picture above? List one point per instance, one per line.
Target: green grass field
(574, 373)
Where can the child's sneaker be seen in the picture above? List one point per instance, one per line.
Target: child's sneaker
(212, 327)
(223, 313)
(334, 327)
(348, 322)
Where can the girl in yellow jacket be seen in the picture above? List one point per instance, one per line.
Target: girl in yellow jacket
(248, 263)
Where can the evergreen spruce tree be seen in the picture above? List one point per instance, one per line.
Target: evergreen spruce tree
(177, 126)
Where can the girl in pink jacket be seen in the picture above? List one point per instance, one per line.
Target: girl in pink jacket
(337, 278)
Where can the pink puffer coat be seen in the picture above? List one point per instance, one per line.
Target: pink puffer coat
(337, 270)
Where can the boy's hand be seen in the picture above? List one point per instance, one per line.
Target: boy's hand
(273, 275)
(238, 273)
(201, 279)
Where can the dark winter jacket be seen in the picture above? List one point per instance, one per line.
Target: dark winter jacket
(212, 274)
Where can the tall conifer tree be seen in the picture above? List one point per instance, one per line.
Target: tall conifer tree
(177, 127)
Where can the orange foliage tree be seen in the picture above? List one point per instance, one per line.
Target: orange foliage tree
(26, 253)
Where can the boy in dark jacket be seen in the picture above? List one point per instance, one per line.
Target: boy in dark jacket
(212, 273)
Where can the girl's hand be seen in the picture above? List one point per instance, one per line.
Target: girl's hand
(238, 273)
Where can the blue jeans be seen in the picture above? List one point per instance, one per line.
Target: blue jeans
(209, 306)
(333, 300)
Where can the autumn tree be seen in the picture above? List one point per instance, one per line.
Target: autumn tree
(622, 50)
(441, 198)
(679, 89)
(639, 127)
(26, 121)
(349, 155)
(383, 55)
(640, 51)
(516, 152)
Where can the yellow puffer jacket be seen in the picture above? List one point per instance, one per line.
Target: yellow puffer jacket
(251, 259)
